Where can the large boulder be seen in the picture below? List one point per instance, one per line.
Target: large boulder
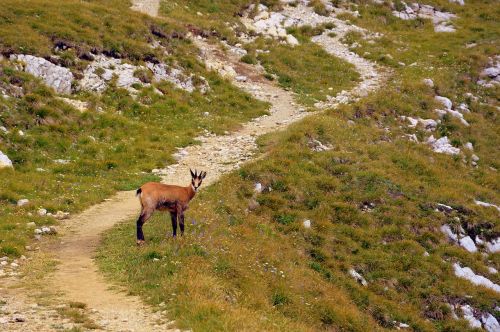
(57, 77)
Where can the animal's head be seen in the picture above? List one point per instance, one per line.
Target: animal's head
(196, 179)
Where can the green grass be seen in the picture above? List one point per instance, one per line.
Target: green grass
(308, 70)
(261, 270)
(94, 25)
(217, 16)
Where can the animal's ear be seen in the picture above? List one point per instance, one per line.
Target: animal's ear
(192, 174)
(203, 174)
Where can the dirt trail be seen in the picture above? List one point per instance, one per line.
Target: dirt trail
(76, 277)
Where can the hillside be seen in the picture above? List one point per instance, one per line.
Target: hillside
(351, 150)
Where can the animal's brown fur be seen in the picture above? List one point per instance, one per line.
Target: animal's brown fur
(163, 197)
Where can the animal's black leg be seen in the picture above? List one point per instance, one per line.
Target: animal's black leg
(140, 234)
(181, 223)
(173, 215)
(140, 222)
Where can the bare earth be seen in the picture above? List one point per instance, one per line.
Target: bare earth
(76, 277)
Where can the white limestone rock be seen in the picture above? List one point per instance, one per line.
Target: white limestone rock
(468, 244)
(445, 101)
(5, 162)
(57, 77)
(468, 274)
(290, 39)
(490, 323)
(492, 270)
(428, 82)
(317, 146)
(441, 20)
(463, 108)
(486, 204)
(469, 316)
(359, 278)
(494, 245)
(442, 145)
(23, 202)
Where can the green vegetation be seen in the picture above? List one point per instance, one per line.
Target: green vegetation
(85, 26)
(371, 201)
(208, 17)
(309, 71)
(115, 144)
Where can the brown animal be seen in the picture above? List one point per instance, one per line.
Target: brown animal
(163, 197)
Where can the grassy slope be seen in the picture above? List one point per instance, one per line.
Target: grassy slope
(109, 151)
(226, 273)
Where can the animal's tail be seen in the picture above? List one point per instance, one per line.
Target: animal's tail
(138, 192)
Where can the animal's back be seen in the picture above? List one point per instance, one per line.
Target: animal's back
(166, 191)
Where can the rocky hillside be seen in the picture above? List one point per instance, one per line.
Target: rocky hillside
(370, 203)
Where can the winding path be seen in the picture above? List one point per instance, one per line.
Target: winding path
(77, 278)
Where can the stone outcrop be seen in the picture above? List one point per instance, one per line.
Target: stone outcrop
(467, 273)
(441, 20)
(57, 77)
(442, 145)
(99, 73)
(490, 76)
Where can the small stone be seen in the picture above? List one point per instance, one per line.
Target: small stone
(19, 318)
(359, 278)
(446, 102)
(60, 215)
(475, 158)
(38, 231)
(469, 146)
(241, 78)
(307, 223)
(291, 40)
(31, 225)
(42, 212)
(22, 202)
(428, 82)
(258, 187)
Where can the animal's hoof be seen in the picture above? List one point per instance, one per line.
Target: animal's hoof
(140, 242)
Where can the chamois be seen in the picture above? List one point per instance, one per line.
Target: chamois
(163, 197)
